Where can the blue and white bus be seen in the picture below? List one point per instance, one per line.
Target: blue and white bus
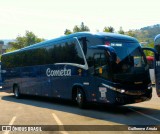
(84, 67)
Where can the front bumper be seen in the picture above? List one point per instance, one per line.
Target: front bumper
(129, 99)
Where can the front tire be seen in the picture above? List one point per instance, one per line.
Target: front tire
(81, 100)
(16, 92)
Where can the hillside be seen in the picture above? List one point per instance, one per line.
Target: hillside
(147, 34)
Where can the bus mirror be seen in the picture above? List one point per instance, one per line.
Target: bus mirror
(156, 54)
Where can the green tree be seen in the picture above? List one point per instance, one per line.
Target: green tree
(83, 27)
(121, 31)
(131, 33)
(108, 29)
(23, 41)
(80, 28)
(67, 32)
(11, 49)
(77, 28)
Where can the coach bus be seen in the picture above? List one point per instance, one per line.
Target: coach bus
(157, 66)
(84, 67)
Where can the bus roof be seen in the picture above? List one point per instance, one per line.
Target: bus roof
(98, 34)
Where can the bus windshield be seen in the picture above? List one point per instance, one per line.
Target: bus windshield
(130, 62)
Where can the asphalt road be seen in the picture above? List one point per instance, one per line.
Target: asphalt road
(42, 111)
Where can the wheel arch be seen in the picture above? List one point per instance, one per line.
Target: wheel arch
(14, 85)
(74, 90)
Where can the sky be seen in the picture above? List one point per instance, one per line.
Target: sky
(49, 18)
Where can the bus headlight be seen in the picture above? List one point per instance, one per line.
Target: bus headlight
(122, 90)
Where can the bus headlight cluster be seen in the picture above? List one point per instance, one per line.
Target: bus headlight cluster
(122, 90)
(115, 89)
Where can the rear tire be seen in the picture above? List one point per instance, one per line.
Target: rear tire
(80, 98)
(16, 92)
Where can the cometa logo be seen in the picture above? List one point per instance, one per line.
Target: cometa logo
(63, 72)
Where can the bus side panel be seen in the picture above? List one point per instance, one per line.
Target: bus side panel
(105, 95)
(46, 82)
(30, 81)
(7, 80)
(89, 85)
(62, 79)
(11, 77)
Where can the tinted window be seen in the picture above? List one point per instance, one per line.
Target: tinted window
(89, 41)
(11, 60)
(100, 61)
(86, 43)
(36, 57)
(65, 52)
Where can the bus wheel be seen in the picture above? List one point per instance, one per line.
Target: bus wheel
(16, 92)
(81, 98)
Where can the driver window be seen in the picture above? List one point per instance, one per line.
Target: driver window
(101, 65)
(99, 60)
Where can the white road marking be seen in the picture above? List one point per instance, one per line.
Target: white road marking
(145, 115)
(59, 123)
(11, 123)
